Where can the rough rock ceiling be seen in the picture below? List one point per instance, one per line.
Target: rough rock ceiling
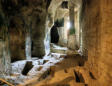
(56, 11)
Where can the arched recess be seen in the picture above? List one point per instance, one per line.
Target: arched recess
(54, 34)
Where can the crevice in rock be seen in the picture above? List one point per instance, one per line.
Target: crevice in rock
(86, 84)
(81, 63)
(64, 4)
(78, 77)
(48, 3)
(92, 76)
(44, 75)
(65, 71)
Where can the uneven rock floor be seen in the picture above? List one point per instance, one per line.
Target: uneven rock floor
(54, 69)
(63, 73)
(39, 67)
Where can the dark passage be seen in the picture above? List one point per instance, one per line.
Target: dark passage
(54, 34)
(79, 77)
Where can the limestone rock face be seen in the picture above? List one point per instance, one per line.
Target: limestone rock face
(52, 10)
(55, 11)
(27, 18)
(71, 42)
(5, 61)
(96, 26)
(17, 39)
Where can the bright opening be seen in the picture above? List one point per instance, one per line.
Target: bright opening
(68, 25)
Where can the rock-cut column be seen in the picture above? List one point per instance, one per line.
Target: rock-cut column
(5, 63)
(38, 30)
(71, 35)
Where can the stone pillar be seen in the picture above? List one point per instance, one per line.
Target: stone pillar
(38, 31)
(71, 35)
(5, 64)
(28, 43)
(38, 35)
(49, 24)
(71, 15)
(47, 41)
(28, 26)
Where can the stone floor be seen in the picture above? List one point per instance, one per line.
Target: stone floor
(56, 69)
(63, 73)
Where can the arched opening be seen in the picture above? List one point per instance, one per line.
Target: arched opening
(54, 34)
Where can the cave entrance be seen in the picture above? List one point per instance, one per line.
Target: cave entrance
(54, 34)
